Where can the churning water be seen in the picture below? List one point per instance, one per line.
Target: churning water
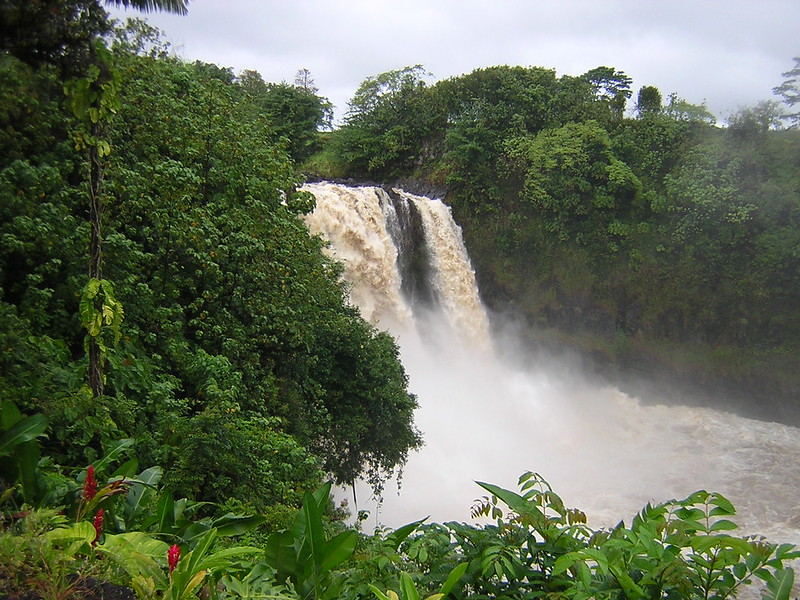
(488, 413)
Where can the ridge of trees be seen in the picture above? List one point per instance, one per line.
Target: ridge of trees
(648, 236)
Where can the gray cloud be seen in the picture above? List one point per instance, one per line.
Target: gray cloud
(728, 53)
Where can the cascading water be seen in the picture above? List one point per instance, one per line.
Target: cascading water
(366, 226)
(486, 418)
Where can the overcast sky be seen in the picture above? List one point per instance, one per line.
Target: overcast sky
(726, 53)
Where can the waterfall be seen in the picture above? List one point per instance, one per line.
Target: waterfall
(487, 417)
(452, 276)
(403, 256)
(354, 221)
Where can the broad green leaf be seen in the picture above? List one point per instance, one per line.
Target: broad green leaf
(698, 497)
(722, 506)
(165, 512)
(700, 560)
(138, 554)
(231, 524)
(787, 552)
(194, 532)
(724, 525)
(407, 588)
(23, 431)
(513, 500)
(565, 562)
(378, 593)
(140, 542)
(780, 585)
(193, 583)
(128, 469)
(455, 575)
(338, 549)
(9, 414)
(82, 531)
(322, 494)
(140, 486)
(116, 449)
(27, 455)
(314, 534)
(280, 554)
(395, 538)
(738, 544)
(200, 550)
(221, 559)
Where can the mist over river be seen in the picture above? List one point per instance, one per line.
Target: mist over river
(489, 413)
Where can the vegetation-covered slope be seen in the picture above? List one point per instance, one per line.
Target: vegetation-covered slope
(652, 239)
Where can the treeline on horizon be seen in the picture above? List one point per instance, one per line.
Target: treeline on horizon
(630, 226)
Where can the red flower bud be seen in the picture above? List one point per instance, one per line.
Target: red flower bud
(98, 525)
(173, 555)
(89, 484)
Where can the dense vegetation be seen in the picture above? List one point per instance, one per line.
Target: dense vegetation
(224, 334)
(179, 366)
(641, 232)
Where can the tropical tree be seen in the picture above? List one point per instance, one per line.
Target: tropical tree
(648, 102)
(789, 90)
(610, 86)
(296, 112)
(173, 6)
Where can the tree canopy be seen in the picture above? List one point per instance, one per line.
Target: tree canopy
(238, 346)
(639, 236)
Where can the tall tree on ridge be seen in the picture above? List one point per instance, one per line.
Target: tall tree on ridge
(789, 90)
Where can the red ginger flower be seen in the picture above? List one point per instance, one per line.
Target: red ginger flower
(173, 555)
(98, 525)
(89, 484)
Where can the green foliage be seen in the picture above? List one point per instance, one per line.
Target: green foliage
(99, 308)
(234, 343)
(52, 32)
(296, 114)
(676, 549)
(789, 90)
(305, 556)
(19, 452)
(648, 101)
(596, 226)
(387, 124)
(576, 185)
(408, 590)
(533, 546)
(679, 109)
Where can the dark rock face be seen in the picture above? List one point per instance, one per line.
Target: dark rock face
(413, 256)
(420, 187)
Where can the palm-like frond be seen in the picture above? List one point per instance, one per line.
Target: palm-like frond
(174, 6)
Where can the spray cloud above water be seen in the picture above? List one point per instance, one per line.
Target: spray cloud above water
(488, 412)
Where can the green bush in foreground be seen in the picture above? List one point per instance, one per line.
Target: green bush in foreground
(60, 534)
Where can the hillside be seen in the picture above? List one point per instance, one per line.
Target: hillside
(657, 243)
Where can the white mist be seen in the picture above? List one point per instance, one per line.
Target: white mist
(488, 418)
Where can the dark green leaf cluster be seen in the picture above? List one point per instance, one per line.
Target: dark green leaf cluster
(233, 356)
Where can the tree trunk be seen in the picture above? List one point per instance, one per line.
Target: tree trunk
(95, 255)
